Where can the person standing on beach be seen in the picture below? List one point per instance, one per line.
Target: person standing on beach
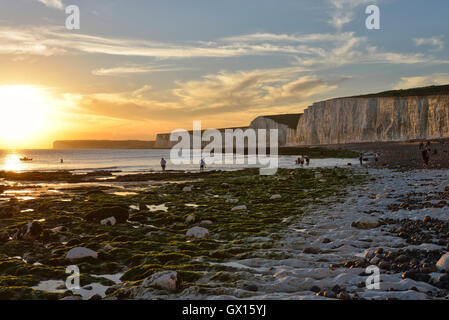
(163, 164)
(361, 159)
(307, 160)
(202, 165)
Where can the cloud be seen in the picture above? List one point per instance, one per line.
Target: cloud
(343, 11)
(255, 91)
(53, 3)
(436, 42)
(422, 81)
(116, 71)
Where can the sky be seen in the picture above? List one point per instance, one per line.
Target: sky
(136, 68)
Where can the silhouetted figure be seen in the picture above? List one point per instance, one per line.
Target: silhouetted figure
(361, 159)
(163, 164)
(307, 160)
(202, 165)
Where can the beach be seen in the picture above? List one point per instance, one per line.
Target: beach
(303, 233)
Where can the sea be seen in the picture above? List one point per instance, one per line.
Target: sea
(132, 161)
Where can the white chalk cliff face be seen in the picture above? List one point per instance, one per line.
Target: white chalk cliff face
(362, 119)
(286, 135)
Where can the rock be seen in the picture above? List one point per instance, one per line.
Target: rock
(310, 250)
(109, 221)
(443, 263)
(95, 297)
(315, 289)
(275, 196)
(225, 185)
(326, 240)
(417, 276)
(81, 253)
(365, 223)
(198, 232)
(443, 277)
(232, 200)
(166, 280)
(206, 222)
(4, 236)
(427, 219)
(343, 296)
(119, 213)
(251, 287)
(402, 258)
(243, 207)
(30, 231)
(190, 219)
(187, 189)
(142, 206)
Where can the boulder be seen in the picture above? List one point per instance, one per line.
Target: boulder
(275, 196)
(109, 221)
(119, 213)
(232, 200)
(443, 263)
(165, 280)
(198, 232)
(187, 189)
(366, 223)
(81, 253)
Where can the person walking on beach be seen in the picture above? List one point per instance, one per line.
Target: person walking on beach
(202, 165)
(361, 159)
(307, 160)
(425, 157)
(163, 164)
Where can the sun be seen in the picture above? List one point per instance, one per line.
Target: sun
(23, 113)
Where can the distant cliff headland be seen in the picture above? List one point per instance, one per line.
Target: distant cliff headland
(398, 115)
(103, 144)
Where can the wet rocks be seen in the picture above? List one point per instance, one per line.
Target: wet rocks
(165, 280)
(119, 213)
(237, 208)
(81, 253)
(443, 263)
(197, 232)
(365, 223)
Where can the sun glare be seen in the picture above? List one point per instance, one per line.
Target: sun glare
(23, 112)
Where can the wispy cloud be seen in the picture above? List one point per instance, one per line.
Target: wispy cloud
(124, 70)
(53, 3)
(343, 11)
(435, 42)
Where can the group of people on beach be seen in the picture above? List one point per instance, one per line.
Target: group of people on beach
(202, 164)
(303, 159)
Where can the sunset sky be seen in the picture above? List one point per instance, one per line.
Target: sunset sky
(139, 67)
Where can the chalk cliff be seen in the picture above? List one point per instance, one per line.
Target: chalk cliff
(389, 116)
(285, 124)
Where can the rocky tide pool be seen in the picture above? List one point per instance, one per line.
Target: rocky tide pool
(300, 234)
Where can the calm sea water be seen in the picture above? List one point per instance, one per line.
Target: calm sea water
(125, 160)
